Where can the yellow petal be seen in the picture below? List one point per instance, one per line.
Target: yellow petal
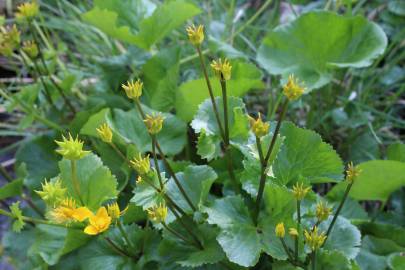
(102, 213)
(82, 213)
(91, 230)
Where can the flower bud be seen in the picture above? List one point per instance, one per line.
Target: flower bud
(30, 48)
(292, 90)
(322, 211)
(221, 69)
(133, 89)
(158, 213)
(105, 133)
(114, 211)
(352, 172)
(313, 239)
(280, 230)
(259, 128)
(71, 149)
(141, 165)
(195, 34)
(9, 40)
(293, 232)
(52, 192)
(27, 11)
(154, 123)
(299, 191)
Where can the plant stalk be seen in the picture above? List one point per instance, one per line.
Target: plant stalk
(124, 234)
(75, 181)
(156, 161)
(211, 92)
(286, 250)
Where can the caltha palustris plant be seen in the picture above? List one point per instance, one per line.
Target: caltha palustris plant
(258, 220)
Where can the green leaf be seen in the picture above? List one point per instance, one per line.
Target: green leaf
(145, 195)
(151, 29)
(279, 202)
(96, 182)
(161, 74)
(18, 222)
(344, 237)
(196, 182)
(396, 151)
(317, 42)
(130, 128)
(191, 94)
(53, 242)
(44, 165)
(303, 153)
(205, 123)
(11, 189)
(378, 179)
(238, 237)
(332, 260)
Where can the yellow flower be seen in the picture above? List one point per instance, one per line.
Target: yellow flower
(293, 232)
(280, 230)
(52, 192)
(67, 212)
(292, 90)
(27, 10)
(99, 222)
(30, 48)
(154, 123)
(259, 127)
(105, 133)
(195, 34)
(139, 180)
(322, 211)
(352, 172)
(313, 239)
(71, 149)
(141, 165)
(299, 191)
(158, 213)
(9, 40)
(222, 69)
(114, 211)
(133, 89)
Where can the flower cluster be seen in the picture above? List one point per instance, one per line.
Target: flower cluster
(292, 89)
(221, 69)
(158, 213)
(105, 133)
(132, 89)
(30, 48)
(71, 149)
(27, 11)
(154, 123)
(195, 34)
(259, 128)
(9, 40)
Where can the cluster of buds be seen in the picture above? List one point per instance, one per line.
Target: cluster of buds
(280, 230)
(352, 173)
(221, 69)
(114, 211)
(9, 40)
(132, 89)
(154, 123)
(292, 89)
(299, 191)
(27, 11)
(258, 127)
(105, 133)
(30, 48)
(158, 213)
(195, 34)
(71, 149)
(141, 165)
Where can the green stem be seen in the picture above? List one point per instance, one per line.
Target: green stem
(167, 165)
(313, 255)
(156, 161)
(185, 240)
(211, 93)
(266, 161)
(338, 211)
(47, 92)
(124, 234)
(190, 232)
(75, 181)
(286, 250)
(118, 151)
(117, 248)
(298, 228)
(226, 138)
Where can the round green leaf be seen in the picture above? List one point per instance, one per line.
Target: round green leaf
(318, 42)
